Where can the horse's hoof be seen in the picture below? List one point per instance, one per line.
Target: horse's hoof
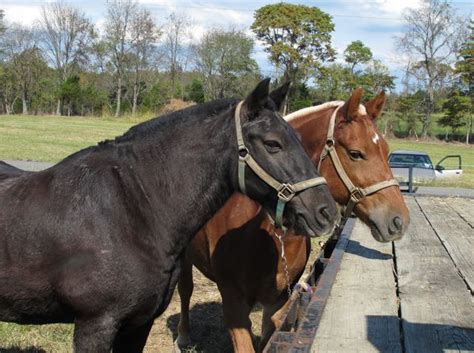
(181, 342)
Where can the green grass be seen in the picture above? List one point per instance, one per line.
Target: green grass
(437, 150)
(48, 138)
(27, 338)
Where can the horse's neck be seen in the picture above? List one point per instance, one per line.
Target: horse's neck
(189, 174)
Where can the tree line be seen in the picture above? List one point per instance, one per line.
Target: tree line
(133, 64)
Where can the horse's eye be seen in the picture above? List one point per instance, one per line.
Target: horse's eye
(356, 155)
(272, 146)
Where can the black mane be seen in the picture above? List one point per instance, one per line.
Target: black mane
(197, 112)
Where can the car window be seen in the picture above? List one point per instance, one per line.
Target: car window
(407, 160)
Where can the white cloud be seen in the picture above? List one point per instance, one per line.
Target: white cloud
(397, 7)
(23, 14)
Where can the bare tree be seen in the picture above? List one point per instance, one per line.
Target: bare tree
(432, 38)
(24, 60)
(176, 32)
(117, 27)
(66, 35)
(144, 34)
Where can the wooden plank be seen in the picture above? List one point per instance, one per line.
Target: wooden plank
(464, 207)
(362, 312)
(436, 306)
(455, 233)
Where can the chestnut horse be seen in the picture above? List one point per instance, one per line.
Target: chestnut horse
(238, 248)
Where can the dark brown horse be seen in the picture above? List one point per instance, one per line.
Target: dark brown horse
(238, 248)
(96, 240)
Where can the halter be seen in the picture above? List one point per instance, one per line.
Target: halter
(285, 191)
(356, 193)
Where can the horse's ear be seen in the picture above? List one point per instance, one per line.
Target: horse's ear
(278, 95)
(375, 105)
(351, 107)
(256, 100)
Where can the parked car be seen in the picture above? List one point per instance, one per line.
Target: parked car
(401, 161)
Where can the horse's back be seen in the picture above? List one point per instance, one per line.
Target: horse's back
(8, 171)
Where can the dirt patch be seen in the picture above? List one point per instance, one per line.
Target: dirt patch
(208, 332)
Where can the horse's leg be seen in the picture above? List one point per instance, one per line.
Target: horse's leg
(185, 290)
(94, 335)
(132, 341)
(236, 316)
(271, 320)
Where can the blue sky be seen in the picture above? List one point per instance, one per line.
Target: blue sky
(375, 22)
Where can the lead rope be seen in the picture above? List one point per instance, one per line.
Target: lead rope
(284, 261)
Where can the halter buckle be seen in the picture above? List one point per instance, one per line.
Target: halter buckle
(330, 142)
(243, 152)
(357, 194)
(286, 192)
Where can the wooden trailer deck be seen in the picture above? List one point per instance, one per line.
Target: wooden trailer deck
(415, 295)
(411, 296)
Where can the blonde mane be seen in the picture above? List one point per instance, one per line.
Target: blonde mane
(317, 108)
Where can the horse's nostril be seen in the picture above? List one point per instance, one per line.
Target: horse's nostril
(398, 223)
(325, 212)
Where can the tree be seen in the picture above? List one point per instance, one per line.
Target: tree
(357, 53)
(2, 25)
(8, 89)
(377, 78)
(332, 82)
(297, 37)
(195, 91)
(144, 33)
(222, 58)
(176, 31)
(70, 92)
(409, 107)
(117, 37)
(465, 70)
(66, 36)
(432, 37)
(457, 108)
(24, 59)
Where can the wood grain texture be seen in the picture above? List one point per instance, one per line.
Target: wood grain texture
(361, 313)
(436, 306)
(464, 207)
(455, 233)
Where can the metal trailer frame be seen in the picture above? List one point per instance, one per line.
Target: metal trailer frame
(300, 322)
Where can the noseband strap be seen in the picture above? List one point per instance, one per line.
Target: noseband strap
(356, 194)
(285, 191)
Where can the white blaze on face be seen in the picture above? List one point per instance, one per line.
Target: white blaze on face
(376, 138)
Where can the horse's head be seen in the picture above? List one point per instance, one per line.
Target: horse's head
(363, 153)
(275, 146)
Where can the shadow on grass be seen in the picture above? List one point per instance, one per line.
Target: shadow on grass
(208, 331)
(21, 350)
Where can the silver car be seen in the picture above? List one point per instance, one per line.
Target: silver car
(402, 161)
